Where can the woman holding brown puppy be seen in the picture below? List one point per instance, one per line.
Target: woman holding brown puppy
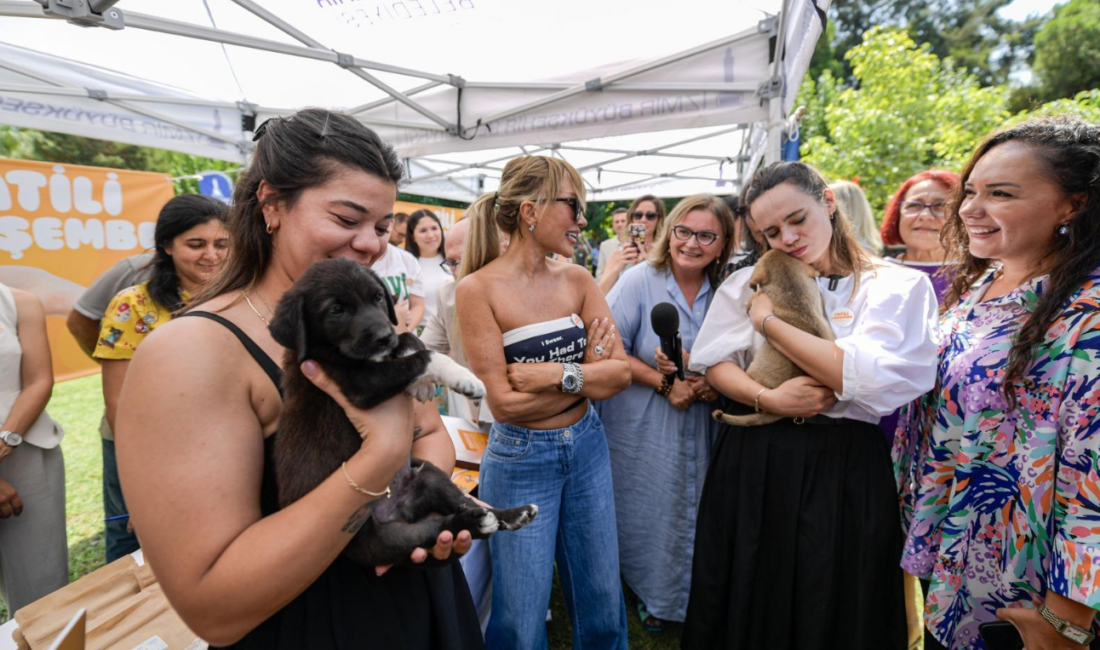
(798, 533)
(200, 484)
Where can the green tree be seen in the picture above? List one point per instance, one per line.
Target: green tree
(29, 144)
(970, 31)
(909, 111)
(1067, 50)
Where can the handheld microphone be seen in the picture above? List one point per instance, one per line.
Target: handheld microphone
(665, 319)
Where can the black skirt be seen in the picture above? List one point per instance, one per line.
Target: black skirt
(798, 541)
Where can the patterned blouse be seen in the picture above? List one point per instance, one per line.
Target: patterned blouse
(131, 315)
(985, 518)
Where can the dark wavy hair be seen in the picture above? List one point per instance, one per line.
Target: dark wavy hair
(1069, 152)
(891, 222)
(293, 154)
(180, 214)
(410, 241)
(848, 257)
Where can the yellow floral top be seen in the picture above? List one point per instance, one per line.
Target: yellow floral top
(131, 315)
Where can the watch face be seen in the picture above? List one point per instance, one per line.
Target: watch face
(570, 382)
(1076, 635)
(13, 439)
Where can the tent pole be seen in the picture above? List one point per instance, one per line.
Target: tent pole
(363, 108)
(297, 34)
(467, 166)
(738, 127)
(130, 107)
(136, 20)
(773, 151)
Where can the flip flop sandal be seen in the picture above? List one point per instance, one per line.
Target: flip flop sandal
(646, 617)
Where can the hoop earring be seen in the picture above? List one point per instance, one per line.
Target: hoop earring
(1063, 229)
(269, 229)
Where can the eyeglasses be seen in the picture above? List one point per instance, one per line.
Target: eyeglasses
(638, 215)
(449, 265)
(575, 203)
(913, 209)
(704, 237)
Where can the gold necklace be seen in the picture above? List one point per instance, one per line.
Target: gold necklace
(245, 295)
(261, 297)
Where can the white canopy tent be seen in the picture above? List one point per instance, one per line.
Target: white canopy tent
(639, 95)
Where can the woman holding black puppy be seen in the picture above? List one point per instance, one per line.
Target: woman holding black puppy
(200, 485)
(798, 530)
(523, 321)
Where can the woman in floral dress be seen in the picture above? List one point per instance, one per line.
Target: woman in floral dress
(998, 466)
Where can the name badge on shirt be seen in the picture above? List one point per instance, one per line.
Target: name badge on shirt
(842, 316)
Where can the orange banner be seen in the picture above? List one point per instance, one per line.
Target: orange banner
(62, 226)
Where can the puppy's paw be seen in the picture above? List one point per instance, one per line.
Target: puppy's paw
(489, 524)
(422, 390)
(452, 375)
(470, 387)
(516, 518)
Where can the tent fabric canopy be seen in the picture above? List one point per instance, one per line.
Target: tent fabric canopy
(642, 96)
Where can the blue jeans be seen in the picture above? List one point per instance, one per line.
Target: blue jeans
(119, 542)
(567, 473)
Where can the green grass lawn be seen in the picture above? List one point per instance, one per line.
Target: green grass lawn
(78, 404)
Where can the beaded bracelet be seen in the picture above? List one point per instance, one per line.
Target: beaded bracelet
(665, 388)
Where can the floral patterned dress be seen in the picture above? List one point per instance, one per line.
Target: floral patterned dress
(985, 518)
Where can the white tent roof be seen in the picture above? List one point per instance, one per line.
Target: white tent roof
(640, 95)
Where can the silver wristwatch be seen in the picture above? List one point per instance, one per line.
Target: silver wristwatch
(572, 378)
(1068, 630)
(11, 438)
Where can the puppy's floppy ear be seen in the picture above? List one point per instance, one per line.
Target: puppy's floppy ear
(389, 305)
(288, 328)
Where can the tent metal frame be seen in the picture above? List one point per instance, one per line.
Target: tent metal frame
(771, 92)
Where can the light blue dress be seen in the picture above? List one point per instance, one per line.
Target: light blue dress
(658, 454)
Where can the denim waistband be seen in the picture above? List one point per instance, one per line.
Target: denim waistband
(589, 420)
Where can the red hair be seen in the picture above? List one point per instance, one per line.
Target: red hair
(891, 231)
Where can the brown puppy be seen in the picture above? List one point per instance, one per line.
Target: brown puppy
(789, 282)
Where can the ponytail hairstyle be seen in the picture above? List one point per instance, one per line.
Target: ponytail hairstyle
(410, 242)
(527, 178)
(293, 154)
(661, 258)
(848, 257)
(180, 214)
(1068, 149)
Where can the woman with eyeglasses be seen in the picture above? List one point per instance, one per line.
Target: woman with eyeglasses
(659, 430)
(426, 243)
(522, 318)
(798, 528)
(914, 217)
(647, 211)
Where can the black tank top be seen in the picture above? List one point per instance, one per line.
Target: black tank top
(350, 608)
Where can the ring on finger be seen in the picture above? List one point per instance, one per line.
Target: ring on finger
(599, 350)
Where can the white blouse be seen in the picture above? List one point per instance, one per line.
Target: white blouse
(888, 331)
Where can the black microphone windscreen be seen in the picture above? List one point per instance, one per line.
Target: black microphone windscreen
(665, 319)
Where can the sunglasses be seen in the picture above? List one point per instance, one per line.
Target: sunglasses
(575, 204)
(638, 215)
(704, 237)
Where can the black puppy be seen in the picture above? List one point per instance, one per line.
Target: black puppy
(341, 316)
